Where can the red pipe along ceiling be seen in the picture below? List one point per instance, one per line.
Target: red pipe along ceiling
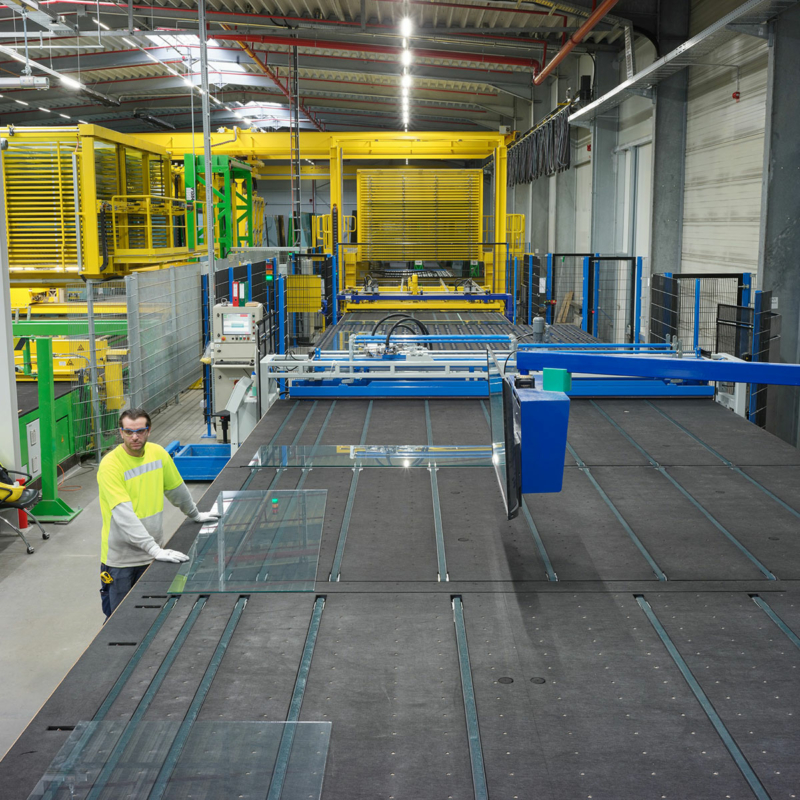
(576, 38)
(323, 44)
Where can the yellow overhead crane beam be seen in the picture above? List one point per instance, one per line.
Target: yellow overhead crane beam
(318, 144)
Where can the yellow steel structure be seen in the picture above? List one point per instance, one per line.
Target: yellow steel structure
(65, 187)
(337, 148)
(515, 226)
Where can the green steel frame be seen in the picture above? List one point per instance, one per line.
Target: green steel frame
(228, 201)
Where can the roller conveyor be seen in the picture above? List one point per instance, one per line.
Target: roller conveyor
(634, 636)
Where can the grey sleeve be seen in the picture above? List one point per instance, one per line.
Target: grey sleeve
(129, 527)
(182, 499)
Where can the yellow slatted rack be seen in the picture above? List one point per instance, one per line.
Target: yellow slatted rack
(406, 214)
(41, 182)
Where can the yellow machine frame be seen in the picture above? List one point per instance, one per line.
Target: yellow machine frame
(336, 148)
(71, 216)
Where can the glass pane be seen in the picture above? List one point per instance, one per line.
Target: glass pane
(502, 410)
(265, 541)
(407, 456)
(216, 759)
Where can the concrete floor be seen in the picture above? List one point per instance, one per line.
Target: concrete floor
(50, 600)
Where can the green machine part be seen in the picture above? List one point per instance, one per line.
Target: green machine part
(231, 207)
(50, 508)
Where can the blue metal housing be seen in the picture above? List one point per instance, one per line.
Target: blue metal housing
(544, 419)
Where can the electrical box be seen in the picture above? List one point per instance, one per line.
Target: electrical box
(234, 330)
(34, 447)
(234, 333)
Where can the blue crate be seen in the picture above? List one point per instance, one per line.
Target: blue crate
(199, 462)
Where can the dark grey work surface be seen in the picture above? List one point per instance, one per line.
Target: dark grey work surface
(613, 719)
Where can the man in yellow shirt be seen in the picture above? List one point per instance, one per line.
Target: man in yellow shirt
(134, 478)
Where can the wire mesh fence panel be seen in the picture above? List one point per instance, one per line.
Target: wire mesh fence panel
(567, 289)
(532, 290)
(685, 306)
(766, 335)
(663, 309)
(165, 320)
(734, 335)
(305, 295)
(94, 355)
(613, 301)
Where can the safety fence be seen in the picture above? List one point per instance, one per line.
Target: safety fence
(134, 342)
(684, 306)
(749, 333)
(309, 297)
(530, 301)
(601, 294)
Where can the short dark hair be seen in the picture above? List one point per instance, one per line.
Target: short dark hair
(134, 413)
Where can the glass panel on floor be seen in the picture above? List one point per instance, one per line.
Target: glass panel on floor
(264, 541)
(159, 760)
(404, 456)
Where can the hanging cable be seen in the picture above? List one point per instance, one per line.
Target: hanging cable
(542, 151)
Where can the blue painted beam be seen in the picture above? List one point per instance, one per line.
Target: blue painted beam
(690, 368)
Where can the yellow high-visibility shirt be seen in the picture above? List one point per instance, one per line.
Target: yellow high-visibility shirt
(141, 482)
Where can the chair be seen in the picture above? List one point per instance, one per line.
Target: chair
(19, 498)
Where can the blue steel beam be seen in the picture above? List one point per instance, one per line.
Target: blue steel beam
(688, 369)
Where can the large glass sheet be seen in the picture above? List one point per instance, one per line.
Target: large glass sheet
(264, 541)
(404, 456)
(160, 760)
(505, 443)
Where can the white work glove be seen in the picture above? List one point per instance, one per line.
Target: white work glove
(204, 516)
(173, 556)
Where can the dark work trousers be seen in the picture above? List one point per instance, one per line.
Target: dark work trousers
(112, 594)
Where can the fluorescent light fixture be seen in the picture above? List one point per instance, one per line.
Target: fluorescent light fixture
(406, 58)
(83, 122)
(405, 44)
(406, 81)
(73, 84)
(65, 116)
(171, 71)
(101, 24)
(404, 91)
(22, 102)
(406, 26)
(405, 118)
(46, 110)
(188, 83)
(152, 57)
(129, 41)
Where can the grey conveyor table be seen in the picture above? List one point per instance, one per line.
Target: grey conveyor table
(635, 636)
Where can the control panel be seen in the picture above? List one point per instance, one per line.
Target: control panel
(234, 332)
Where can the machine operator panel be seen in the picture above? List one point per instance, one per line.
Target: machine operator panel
(235, 331)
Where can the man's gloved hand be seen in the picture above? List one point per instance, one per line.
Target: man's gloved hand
(204, 516)
(159, 554)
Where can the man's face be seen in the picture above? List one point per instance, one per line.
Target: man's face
(134, 435)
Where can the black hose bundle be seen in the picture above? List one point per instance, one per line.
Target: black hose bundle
(543, 151)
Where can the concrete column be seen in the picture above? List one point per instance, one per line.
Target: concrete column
(780, 212)
(604, 141)
(669, 145)
(10, 454)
